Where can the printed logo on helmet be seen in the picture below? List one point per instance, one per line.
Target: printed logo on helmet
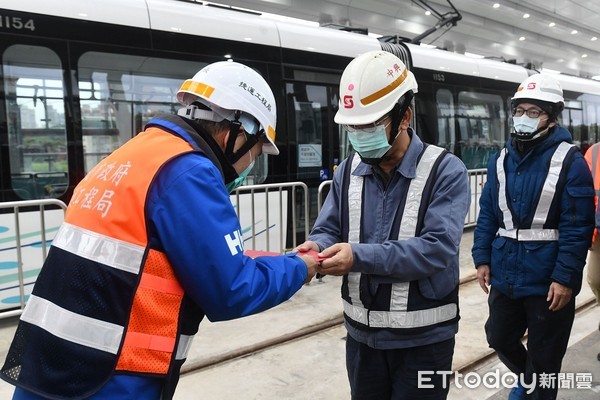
(348, 101)
(255, 93)
(531, 86)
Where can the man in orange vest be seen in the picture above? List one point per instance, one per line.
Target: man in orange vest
(593, 273)
(150, 245)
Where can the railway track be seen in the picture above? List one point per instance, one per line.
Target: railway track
(194, 366)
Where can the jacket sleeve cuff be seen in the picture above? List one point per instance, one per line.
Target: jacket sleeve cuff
(563, 278)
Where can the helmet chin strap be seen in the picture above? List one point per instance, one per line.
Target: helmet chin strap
(398, 114)
(194, 112)
(251, 140)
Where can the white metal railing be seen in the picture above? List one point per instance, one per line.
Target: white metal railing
(262, 209)
(269, 201)
(477, 179)
(20, 233)
(324, 185)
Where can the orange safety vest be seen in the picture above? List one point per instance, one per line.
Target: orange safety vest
(592, 156)
(150, 337)
(83, 336)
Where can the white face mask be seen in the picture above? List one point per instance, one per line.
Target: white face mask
(525, 124)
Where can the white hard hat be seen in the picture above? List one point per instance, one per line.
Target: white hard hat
(539, 87)
(370, 87)
(227, 87)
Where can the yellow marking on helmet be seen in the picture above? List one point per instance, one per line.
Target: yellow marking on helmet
(386, 90)
(271, 133)
(198, 88)
(520, 88)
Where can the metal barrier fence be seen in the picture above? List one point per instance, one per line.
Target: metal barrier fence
(477, 178)
(19, 217)
(271, 219)
(321, 195)
(476, 181)
(262, 209)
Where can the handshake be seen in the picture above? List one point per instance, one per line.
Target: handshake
(334, 260)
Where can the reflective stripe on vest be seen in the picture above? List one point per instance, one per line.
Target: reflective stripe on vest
(591, 156)
(355, 190)
(95, 333)
(100, 248)
(592, 159)
(536, 232)
(398, 315)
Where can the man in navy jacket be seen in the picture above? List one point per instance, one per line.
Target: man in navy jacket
(533, 231)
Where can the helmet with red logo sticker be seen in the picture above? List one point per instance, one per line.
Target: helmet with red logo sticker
(543, 91)
(232, 91)
(370, 87)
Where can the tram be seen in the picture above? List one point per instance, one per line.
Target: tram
(80, 77)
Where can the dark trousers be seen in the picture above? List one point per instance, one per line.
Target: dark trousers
(394, 374)
(548, 337)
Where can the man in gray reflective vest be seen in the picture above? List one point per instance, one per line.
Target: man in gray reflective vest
(533, 231)
(391, 226)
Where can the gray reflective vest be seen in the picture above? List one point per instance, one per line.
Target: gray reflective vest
(398, 305)
(535, 231)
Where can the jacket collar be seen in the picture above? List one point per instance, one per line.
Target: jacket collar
(556, 135)
(200, 140)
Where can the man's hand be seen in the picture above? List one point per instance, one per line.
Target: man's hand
(339, 260)
(307, 246)
(559, 295)
(483, 276)
(311, 265)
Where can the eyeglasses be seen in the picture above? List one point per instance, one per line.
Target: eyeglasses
(368, 128)
(531, 113)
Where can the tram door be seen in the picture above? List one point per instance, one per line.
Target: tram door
(313, 135)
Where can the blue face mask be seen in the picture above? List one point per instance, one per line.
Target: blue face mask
(370, 144)
(237, 182)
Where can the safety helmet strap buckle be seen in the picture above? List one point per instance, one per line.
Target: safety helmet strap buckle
(194, 112)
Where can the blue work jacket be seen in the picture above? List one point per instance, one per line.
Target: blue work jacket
(432, 255)
(527, 268)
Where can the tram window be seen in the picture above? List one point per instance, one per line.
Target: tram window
(481, 120)
(314, 76)
(592, 111)
(310, 107)
(592, 118)
(33, 85)
(446, 124)
(121, 93)
(575, 124)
